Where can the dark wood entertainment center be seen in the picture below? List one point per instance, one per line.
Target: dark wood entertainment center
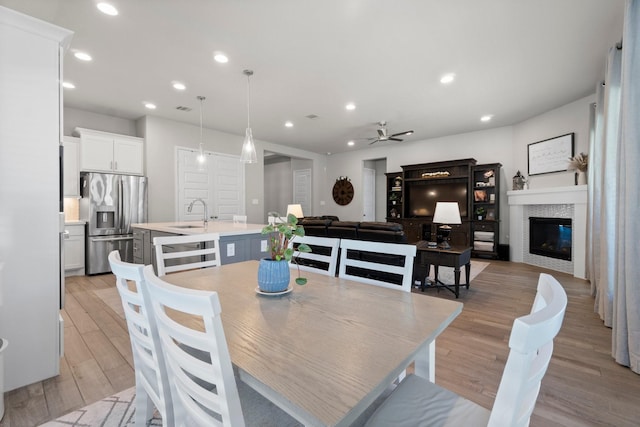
(412, 194)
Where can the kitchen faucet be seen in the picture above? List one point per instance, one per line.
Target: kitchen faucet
(204, 204)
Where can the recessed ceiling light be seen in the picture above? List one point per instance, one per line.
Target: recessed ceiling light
(178, 86)
(220, 58)
(82, 56)
(288, 124)
(150, 105)
(350, 106)
(486, 118)
(351, 143)
(447, 78)
(68, 85)
(107, 9)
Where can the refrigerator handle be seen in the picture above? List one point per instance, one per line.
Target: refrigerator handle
(120, 200)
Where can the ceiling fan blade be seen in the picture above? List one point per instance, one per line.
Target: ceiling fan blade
(374, 141)
(394, 139)
(409, 132)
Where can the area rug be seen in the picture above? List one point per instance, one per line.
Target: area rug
(445, 274)
(114, 411)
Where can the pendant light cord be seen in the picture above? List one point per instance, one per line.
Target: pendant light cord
(201, 98)
(248, 73)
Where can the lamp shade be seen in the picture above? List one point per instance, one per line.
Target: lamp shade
(296, 210)
(447, 213)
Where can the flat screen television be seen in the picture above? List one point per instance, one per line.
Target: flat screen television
(422, 199)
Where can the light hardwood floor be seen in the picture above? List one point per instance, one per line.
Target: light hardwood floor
(583, 386)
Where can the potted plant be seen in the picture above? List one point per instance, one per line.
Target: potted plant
(480, 212)
(273, 272)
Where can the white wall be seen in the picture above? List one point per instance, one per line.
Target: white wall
(162, 136)
(74, 118)
(278, 185)
(573, 117)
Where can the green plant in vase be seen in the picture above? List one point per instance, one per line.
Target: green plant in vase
(280, 235)
(480, 212)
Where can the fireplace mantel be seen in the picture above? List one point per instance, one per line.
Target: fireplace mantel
(520, 201)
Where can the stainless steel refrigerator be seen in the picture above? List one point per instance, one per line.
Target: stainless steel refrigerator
(110, 204)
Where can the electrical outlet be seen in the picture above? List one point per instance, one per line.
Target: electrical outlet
(231, 249)
(255, 201)
(263, 246)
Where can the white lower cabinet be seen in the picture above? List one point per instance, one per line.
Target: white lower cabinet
(74, 250)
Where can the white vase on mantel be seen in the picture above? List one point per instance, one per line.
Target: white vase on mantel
(581, 178)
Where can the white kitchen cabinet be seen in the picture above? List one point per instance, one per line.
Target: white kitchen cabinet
(31, 53)
(109, 152)
(74, 249)
(71, 166)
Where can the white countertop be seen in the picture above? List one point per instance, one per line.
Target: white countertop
(225, 228)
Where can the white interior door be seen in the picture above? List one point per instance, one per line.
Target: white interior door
(302, 189)
(369, 195)
(220, 184)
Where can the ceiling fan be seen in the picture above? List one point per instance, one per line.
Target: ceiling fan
(384, 136)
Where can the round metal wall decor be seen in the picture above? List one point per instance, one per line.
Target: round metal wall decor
(343, 191)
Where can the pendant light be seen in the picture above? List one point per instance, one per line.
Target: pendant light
(248, 154)
(201, 157)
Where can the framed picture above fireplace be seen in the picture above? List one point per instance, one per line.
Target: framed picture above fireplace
(550, 155)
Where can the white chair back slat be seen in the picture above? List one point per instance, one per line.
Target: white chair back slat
(197, 360)
(331, 260)
(405, 271)
(192, 251)
(150, 372)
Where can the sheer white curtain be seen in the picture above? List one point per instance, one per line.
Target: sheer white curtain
(614, 228)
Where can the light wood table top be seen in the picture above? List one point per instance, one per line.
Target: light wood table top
(326, 350)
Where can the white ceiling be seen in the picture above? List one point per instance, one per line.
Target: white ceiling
(513, 59)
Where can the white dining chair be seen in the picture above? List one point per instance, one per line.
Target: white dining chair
(323, 257)
(239, 219)
(186, 252)
(417, 401)
(361, 261)
(152, 384)
(203, 382)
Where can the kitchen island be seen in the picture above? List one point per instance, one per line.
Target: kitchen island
(238, 242)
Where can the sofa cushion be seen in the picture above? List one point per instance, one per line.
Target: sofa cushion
(388, 226)
(343, 229)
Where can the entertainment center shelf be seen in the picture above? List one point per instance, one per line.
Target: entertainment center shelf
(413, 193)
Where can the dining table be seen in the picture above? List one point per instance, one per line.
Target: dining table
(324, 351)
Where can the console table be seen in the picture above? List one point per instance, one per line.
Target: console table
(456, 257)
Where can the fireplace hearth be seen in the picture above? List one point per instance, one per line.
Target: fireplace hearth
(550, 237)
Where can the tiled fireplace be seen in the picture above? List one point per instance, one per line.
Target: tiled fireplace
(567, 203)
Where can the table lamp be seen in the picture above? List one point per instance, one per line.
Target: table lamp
(296, 210)
(446, 213)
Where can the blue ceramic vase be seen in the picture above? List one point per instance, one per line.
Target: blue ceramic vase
(273, 276)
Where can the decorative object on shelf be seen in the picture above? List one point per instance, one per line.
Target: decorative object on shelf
(446, 213)
(518, 181)
(580, 164)
(397, 182)
(248, 154)
(272, 276)
(550, 155)
(295, 210)
(439, 174)
(343, 191)
(201, 157)
(480, 212)
(479, 195)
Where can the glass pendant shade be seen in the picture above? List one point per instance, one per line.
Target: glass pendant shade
(248, 154)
